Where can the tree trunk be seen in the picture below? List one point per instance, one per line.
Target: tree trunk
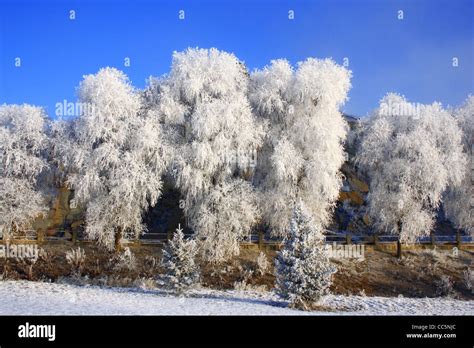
(348, 238)
(458, 239)
(261, 236)
(118, 239)
(40, 236)
(399, 244)
(376, 239)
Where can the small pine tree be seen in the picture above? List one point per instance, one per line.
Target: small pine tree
(303, 270)
(179, 261)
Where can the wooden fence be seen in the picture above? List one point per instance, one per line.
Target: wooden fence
(263, 242)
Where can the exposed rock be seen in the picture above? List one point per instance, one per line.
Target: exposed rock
(366, 219)
(61, 217)
(353, 197)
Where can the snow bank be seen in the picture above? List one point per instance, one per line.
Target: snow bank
(34, 298)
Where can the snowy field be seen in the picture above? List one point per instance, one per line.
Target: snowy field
(34, 298)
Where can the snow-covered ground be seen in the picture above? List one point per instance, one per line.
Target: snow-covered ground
(34, 298)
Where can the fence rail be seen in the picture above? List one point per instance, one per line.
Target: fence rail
(340, 237)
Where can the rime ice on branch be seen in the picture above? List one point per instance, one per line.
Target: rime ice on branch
(459, 200)
(117, 158)
(303, 149)
(23, 143)
(411, 158)
(303, 269)
(203, 105)
(179, 261)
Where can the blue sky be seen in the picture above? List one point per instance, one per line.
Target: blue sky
(412, 56)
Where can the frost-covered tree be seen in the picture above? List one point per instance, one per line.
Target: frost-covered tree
(203, 105)
(303, 269)
(61, 148)
(303, 149)
(23, 143)
(459, 200)
(124, 261)
(179, 261)
(117, 158)
(411, 154)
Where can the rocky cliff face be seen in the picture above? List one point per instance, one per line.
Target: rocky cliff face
(350, 212)
(62, 220)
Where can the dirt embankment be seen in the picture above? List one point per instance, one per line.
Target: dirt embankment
(427, 273)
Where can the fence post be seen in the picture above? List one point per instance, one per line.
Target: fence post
(261, 236)
(399, 249)
(458, 239)
(74, 237)
(376, 239)
(433, 238)
(348, 238)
